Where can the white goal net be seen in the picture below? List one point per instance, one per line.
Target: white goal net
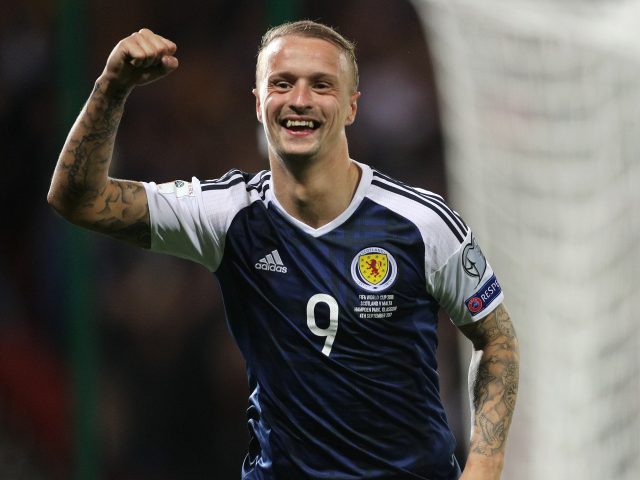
(540, 102)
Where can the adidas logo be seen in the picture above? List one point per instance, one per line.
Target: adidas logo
(272, 263)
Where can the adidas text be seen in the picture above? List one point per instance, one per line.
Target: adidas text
(271, 262)
(271, 268)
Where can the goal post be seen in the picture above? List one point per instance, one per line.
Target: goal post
(540, 103)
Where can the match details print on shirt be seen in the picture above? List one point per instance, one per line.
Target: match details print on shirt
(374, 269)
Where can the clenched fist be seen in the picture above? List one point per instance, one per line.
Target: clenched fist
(141, 58)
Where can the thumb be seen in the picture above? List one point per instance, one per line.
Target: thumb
(169, 63)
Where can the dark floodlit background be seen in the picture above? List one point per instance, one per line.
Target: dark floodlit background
(116, 363)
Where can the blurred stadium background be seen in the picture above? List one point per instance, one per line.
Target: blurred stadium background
(117, 364)
(540, 105)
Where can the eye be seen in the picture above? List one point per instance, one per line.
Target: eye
(281, 84)
(321, 85)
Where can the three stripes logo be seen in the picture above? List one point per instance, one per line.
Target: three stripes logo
(271, 262)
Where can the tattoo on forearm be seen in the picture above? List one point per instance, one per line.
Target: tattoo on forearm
(91, 152)
(496, 383)
(118, 208)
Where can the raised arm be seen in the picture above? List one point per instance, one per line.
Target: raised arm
(81, 189)
(493, 386)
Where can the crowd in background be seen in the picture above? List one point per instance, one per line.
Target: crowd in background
(172, 391)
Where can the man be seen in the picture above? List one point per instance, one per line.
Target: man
(332, 272)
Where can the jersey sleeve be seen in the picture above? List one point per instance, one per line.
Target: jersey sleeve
(465, 285)
(182, 225)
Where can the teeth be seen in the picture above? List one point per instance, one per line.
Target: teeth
(299, 123)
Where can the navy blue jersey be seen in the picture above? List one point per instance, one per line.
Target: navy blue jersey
(337, 325)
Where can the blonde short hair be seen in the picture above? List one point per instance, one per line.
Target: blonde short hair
(311, 29)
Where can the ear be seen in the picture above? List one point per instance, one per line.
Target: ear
(353, 108)
(258, 109)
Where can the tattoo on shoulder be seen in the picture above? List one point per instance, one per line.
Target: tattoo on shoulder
(122, 212)
(497, 324)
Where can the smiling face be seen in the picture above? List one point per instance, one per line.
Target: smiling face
(305, 97)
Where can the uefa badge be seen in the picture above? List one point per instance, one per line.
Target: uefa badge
(475, 305)
(374, 269)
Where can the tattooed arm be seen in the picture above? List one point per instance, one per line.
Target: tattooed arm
(81, 189)
(493, 385)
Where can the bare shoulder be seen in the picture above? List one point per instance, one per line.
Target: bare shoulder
(494, 327)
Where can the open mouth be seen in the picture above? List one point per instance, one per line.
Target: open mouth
(300, 125)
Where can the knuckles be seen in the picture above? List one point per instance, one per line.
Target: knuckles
(168, 47)
(141, 49)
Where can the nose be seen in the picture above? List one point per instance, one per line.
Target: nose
(301, 96)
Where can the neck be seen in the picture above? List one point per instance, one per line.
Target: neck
(314, 191)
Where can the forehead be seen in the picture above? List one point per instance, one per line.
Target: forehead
(303, 53)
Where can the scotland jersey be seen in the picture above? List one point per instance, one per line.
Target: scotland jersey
(337, 325)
